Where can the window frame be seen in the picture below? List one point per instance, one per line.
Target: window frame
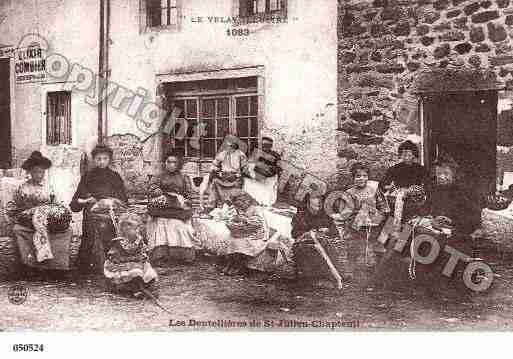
(143, 19)
(47, 118)
(257, 118)
(230, 117)
(232, 96)
(251, 18)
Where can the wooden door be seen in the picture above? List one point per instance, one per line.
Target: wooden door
(5, 114)
(464, 126)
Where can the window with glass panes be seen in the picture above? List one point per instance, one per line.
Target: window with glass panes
(58, 118)
(211, 117)
(161, 13)
(258, 7)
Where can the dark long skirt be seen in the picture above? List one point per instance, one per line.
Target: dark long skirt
(98, 232)
(396, 269)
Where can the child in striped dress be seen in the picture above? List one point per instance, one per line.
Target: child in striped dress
(127, 268)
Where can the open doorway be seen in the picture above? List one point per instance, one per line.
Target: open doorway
(463, 125)
(5, 113)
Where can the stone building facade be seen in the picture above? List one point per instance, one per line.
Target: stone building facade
(292, 65)
(392, 52)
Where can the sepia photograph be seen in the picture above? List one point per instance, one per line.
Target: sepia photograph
(255, 165)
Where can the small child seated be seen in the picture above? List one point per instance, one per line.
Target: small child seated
(127, 268)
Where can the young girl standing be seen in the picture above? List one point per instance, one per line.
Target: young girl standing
(362, 211)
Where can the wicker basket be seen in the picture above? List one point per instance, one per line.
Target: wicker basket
(59, 218)
(167, 206)
(244, 228)
(498, 227)
(497, 202)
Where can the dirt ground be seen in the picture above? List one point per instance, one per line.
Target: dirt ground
(199, 292)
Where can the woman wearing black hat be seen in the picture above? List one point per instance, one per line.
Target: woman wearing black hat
(33, 192)
(34, 242)
(97, 186)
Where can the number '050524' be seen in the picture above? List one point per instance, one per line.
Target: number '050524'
(28, 347)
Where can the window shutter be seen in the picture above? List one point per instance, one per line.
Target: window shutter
(49, 120)
(261, 6)
(58, 118)
(243, 8)
(236, 8)
(67, 118)
(142, 16)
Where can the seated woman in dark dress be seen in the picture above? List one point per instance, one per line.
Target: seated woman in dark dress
(317, 240)
(312, 217)
(451, 206)
(403, 177)
(407, 172)
(100, 183)
(170, 233)
(453, 214)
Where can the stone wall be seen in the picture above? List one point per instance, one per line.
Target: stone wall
(384, 45)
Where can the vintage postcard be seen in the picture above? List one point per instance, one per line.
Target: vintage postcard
(255, 165)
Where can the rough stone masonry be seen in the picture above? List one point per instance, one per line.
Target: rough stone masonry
(384, 46)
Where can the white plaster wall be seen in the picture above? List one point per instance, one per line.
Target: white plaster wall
(71, 29)
(299, 60)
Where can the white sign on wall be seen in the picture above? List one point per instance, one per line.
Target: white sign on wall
(30, 64)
